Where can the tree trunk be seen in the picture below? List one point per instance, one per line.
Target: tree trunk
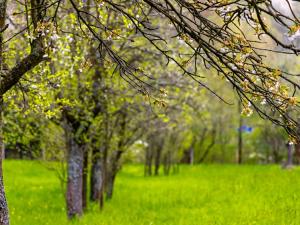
(97, 177)
(111, 175)
(289, 162)
(4, 217)
(191, 158)
(297, 144)
(84, 179)
(110, 181)
(290, 155)
(240, 137)
(167, 163)
(148, 162)
(297, 153)
(157, 161)
(75, 172)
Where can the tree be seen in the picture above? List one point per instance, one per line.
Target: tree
(12, 76)
(214, 31)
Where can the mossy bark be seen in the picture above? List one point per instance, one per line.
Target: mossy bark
(4, 216)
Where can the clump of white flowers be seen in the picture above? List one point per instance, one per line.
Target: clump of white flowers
(233, 67)
(294, 34)
(225, 12)
(263, 102)
(247, 111)
(294, 37)
(224, 50)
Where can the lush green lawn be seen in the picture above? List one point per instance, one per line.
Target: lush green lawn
(208, 194)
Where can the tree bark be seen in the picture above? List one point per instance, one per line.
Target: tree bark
(157, 161)
(110, 181)
(297, 153)
(97, 180)
(289, 162)
(297, 144)
(75, 172)
(290, 155)
(4, 216)
(111, 175)
(98, 175)
(84, 179)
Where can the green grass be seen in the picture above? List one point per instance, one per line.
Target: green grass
(199, 195)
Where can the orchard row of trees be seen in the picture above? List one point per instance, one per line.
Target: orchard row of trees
(82, 82)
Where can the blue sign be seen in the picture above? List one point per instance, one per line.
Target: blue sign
(245, 128)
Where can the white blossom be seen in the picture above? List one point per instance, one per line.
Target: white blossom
(224, 50)
(263, 102)
(232, 66)
(294, 37)
(54, 37)
(223, 12)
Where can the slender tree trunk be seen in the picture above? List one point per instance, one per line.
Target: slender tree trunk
(289, 162)
(104, 177)
(297, 153)
(4, 217)
(97, 180)
(148, 162)
(84, 179)
(104, 171)
(209, 147)
(297, 144)
(157, 161)
(191, 152)
(75, 171)
(97, 177)
(240, 137)
(111, 175)
(110, 181)
(167, 163)
(191, 158)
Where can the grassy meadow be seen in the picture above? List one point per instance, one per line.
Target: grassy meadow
(198, 195)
